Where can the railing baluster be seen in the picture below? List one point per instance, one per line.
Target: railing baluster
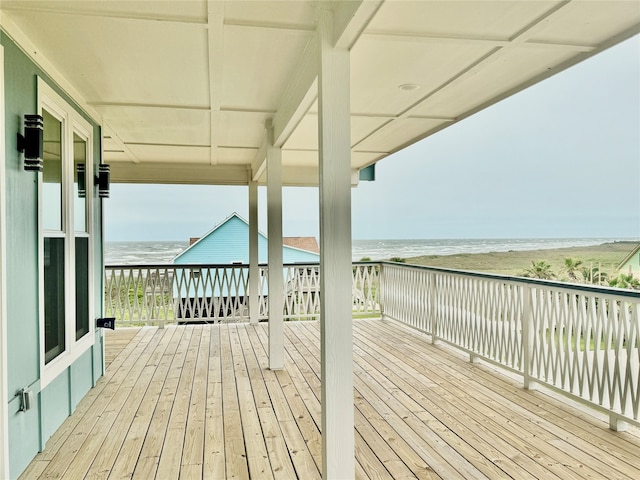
(581, 341)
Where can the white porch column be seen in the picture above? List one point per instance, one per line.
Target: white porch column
(274, 232)
(254, 269)
(338, 460)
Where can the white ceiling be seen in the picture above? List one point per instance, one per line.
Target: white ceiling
(184, 88)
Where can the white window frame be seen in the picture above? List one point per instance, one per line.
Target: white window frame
(72, 123)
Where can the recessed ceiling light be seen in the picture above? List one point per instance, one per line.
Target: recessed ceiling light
(408, 86)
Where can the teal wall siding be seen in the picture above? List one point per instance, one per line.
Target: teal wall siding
(22, 226)
(230, 243)
(24, 434)
(28, 431)
(81, 378)
(97, 360)
(55, 404)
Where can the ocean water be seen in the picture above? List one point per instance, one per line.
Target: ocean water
(130, 253)
(117, 253)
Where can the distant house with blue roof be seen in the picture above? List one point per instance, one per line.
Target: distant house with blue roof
(206, 292)
(228, 243)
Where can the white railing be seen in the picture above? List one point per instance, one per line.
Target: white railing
(159, 294)
(581, 341)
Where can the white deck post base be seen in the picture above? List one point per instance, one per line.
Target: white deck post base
(617, 423)
(336, 343)
(254, 269)
(276, 279)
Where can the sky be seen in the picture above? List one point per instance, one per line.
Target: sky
(558, 160)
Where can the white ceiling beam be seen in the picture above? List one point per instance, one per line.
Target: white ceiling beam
(215, 22)
(269, 26)
(86, 12)
(453, 39)
(299, 94)
(259, 164)
(109, 132)
(350, 19)
(98, 104)
(178, 173)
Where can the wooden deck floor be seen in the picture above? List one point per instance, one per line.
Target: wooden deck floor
(199, 402)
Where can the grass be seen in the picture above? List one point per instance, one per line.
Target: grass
(607, 256)
(559, 338)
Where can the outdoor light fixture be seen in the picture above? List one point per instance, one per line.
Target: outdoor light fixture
(82, 180)
(102, 180)
(32, 143)
(408, 87)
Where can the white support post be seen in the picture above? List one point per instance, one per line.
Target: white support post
(254, 269)
(336, 316)
(276, 278)
(528, 333)
(433, 310)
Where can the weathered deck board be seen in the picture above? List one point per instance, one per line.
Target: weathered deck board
(200, 402)
(117, 341)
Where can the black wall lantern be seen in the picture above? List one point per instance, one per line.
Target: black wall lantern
(32, 142)
(102, 180)
(82, 180)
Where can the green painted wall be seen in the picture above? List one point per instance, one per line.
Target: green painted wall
(56, 393)
(81, 378)
(28, 431)
(632, 265)
(22, 226)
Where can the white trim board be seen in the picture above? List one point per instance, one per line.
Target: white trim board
(4, 400)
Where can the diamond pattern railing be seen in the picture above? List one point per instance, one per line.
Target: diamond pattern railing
(586, 343)
(159, 294)
(582, 341)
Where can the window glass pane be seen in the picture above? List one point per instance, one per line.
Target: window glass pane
(79, 183)
(82, 287)
(52, 174)
(54, 314)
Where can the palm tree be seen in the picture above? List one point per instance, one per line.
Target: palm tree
(571, 267)
(540, 269)
(594, 275)
(625, 281)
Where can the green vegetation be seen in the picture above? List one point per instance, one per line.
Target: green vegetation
(398, 260)
(539, 269)
(154, 305)
(571, 268)
(625, 281)
(605, 258)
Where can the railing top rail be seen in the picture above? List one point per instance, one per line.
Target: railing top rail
(200, 265)
(594, 289)
(602, 290)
